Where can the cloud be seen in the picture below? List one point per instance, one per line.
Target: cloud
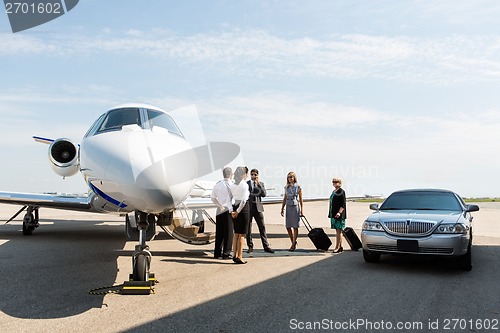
(280, 109)
(22, 44)
(257, 53)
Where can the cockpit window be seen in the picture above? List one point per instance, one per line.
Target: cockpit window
(116, 119)
(94, 126)
(163, 120)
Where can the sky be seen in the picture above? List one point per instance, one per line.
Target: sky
(387, 95)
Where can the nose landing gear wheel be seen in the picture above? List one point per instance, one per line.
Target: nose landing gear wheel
(141, 281)
(141, 267)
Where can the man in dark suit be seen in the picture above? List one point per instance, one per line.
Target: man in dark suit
(257, 191)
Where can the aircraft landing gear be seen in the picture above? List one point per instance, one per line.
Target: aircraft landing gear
(30, 220)
(142, 257)
(132, 229)
(141, 280)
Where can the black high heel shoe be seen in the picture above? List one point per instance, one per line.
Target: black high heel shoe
(239, 261)
(339, 250)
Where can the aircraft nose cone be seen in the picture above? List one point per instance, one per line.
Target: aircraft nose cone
(166, 184)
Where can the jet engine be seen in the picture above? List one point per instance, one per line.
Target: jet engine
(64, 157)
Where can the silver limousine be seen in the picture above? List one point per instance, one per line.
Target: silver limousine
(422, 222)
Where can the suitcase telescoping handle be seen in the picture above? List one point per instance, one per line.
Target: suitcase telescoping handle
(306, 222)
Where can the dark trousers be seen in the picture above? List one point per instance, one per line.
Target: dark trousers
(223, 234)
(259, 219)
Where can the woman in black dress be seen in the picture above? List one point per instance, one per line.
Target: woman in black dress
(240, 213)
(337, 212)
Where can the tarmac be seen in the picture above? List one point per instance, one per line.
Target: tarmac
(46, 279)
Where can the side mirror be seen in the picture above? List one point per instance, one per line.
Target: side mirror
(374, 206)
(472, 208)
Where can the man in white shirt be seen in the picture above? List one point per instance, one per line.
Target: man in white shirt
(221, 196)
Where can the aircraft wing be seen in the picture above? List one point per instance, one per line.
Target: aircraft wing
(60, 201)
(198, 203)
(206, 203)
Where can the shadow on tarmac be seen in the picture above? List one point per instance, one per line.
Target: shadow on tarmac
(48, 274)
(47, 282)
(343, 293)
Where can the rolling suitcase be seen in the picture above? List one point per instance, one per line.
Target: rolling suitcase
(317, 235)
(352, 238)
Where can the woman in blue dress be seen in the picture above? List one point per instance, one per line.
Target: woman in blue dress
(337, 212)
(292, 199)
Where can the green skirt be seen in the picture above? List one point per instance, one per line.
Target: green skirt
(337, 223)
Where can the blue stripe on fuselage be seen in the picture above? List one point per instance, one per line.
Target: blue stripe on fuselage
(106, 197)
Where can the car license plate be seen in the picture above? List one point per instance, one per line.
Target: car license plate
(407, 245)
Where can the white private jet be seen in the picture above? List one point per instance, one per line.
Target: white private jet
(137, 163)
